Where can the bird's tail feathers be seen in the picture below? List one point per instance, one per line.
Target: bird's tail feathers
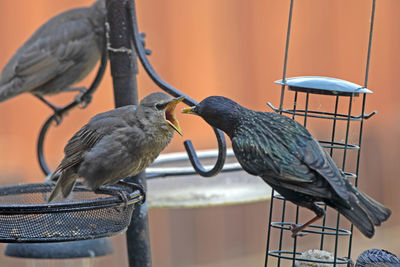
(376, 211)
(359, 217)
(365, 213)
(65, 185)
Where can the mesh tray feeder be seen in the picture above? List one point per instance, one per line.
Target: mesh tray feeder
(25, 215)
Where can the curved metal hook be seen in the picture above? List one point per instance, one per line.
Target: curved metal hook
(53, 117)
(172, 91)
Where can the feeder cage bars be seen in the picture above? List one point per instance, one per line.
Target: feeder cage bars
(344, 122)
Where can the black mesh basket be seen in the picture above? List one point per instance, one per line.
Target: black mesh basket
(25, 215)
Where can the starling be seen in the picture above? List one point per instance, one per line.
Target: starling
(59, 54)
(287, 157)
(117, 144)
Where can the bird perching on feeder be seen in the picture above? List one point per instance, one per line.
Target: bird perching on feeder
(117, 144)
(287, 157)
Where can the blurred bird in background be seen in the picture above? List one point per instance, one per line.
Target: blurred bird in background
(117, 144)
(377, 258)
(286, 156)
(59, 54)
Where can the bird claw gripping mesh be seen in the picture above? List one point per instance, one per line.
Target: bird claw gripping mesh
(25, 215)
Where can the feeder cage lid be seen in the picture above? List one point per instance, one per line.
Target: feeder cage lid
(324, 85)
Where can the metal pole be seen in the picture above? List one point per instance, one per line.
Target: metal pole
(122, 57)
(124, 70)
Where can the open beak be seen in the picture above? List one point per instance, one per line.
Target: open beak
(189, 110)
(170, 114)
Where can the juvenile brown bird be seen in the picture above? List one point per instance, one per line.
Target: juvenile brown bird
(118, 143)
(59, 54)
(285, 155)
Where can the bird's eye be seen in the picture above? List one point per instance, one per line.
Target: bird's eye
(160, 106)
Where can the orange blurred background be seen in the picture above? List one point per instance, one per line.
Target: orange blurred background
(226, 47)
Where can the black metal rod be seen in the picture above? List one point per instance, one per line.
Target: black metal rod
(269, 228)
(281, 232)
(297, 207)
(122, 57)
(296, 95)
(347, 134)
(141, 52)
(331, 154)
(343, 168)
(284, 201)
(371, 30)
(334, 125)
(295, 238)
(124, 70)
(286, 54)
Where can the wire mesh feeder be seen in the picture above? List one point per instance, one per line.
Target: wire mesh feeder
(304, 88)
(25, 215)
(341, 134)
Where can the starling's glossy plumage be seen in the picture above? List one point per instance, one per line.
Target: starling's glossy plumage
(377, 258)
(59, 54)
(118, 143)
(285, 155)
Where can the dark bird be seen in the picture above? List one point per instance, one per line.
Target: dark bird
(59, 54)
(287, 157)
(117, 144)
(377, 258)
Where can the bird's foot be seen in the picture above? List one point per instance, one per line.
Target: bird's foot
(58, 112)
(134, 187)
(58, 115)
(296, 230)
(123, 195)
(83, 98)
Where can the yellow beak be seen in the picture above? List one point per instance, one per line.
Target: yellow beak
(188, 110)
(170, 117)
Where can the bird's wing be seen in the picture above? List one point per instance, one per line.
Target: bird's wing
(318, 160)
(114, 157)
(282, 148)
(88, 136)
(82, 141)
(267, 145)
(52, 49)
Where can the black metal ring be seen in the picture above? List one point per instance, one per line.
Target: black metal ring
(338, 145)
(338, 231)
(322, 115)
